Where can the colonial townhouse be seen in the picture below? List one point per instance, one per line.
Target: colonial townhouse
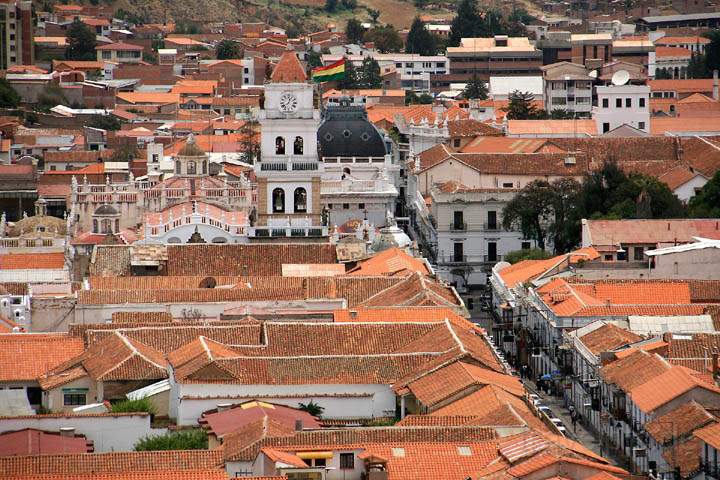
(471, 190)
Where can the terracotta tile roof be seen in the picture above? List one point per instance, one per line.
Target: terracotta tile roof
(396, 314)
(237, 448)
(435, 387)
(284, 457)
(679, 39)
(710, 435)
(109, 463)
(227, 421)
(393, 261)
(678, 176)
(679, 423)
(116, 357)
(510, 163)
(436, 460)
(672, 52)
(288, 69)
(551, 127)
(485, 144)
(608, 337)
(685, 456)
(150, 98)
(613, 232)
(30, 441)
(543, 461)
(415, 290)
(469, 128)
(704, 291)
(170, 474)
(527, 270)
(634, 370)
(684, 123)
(667, 386)
(47, 351)
(681, 85)
(32, 261)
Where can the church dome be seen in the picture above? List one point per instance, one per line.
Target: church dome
(390, 237)
(38, 224)
(106, 210)
(346, 132)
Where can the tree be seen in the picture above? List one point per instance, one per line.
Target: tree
(9, 98)
(565, 226)
(249, 143)
(369, 74)
(105, 122)
(124, 153)
(131, 406)
(475, 89)
(331, 5)
(186, 27)
(314, 59)
(697, 67)
(531, 211)
(51, 96)
(386, 39)
(374, 15)
(227, 49)
(526, 254)
(80, 42)
(419, 40)
(662, 74)
(191, 439)
(521, 107)
(466, 22)
(354, 31)
(712, 50)
(312, 408)
(706, 204)
(351, 77)
(411, 98)
(561, 115)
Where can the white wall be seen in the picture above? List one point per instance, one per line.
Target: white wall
(686, 191)
(108, 432)
(634, 115)
(367, 401)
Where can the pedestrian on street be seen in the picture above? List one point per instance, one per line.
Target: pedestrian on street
(574, 418)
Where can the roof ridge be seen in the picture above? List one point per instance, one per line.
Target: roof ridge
(137, 352)
(455, 337)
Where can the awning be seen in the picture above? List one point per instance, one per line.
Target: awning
(313, 455)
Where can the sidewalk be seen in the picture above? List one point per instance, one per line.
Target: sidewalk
(580, 434)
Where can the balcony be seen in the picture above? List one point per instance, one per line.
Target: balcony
(458, 227)
(492, 258)
(287, 232)
(491, 227)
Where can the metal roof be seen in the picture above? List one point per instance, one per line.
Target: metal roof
(642, 324)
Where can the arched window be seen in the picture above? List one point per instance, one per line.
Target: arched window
(178, 167)
(300, 200)
(117, 225)
(278, 200)
(298, 146)
(279, 146)
(106, 226)
(204, 167)
(95, 226)
(191, 169)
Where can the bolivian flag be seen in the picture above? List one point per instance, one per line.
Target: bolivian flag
(334, 71)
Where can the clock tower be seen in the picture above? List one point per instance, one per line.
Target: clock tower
(289, 171)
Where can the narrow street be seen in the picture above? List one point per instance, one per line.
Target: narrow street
(580, 434)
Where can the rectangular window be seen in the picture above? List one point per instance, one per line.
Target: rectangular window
(361, 206)
(606, 102)
(74, 396)
(508, 185)
(628, 103)
(492, 220)
(639, 254)
(458, 255)
(458, 220)
(606, 127)
(456, 143)
(618, 102)
(525, 245)
(641, 125)
(346, 206)
(642, 103)
(492, 252)
(347, 461)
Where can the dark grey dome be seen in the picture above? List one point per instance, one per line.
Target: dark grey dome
(105, 210)
(346, 132)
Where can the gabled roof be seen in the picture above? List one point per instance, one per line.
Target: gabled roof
(634, 370)
(288, 69)
(527, 270)
(667, 386)
(679, 422)
(221, 423)
(608, 337)
(120, 46)
(39, 353)
(393, 261)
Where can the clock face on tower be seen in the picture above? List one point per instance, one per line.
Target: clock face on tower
(288, 103)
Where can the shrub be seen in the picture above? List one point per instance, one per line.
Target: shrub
(133, 406)
(192, 439)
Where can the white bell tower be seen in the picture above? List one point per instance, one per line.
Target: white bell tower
(289, 171)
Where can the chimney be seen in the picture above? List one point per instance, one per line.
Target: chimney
(716, 86)
(222, 407)
(353, 314)
(67, 431)
(298, 425)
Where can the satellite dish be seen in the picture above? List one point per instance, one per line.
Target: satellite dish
(621, 77)
(593, 74)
